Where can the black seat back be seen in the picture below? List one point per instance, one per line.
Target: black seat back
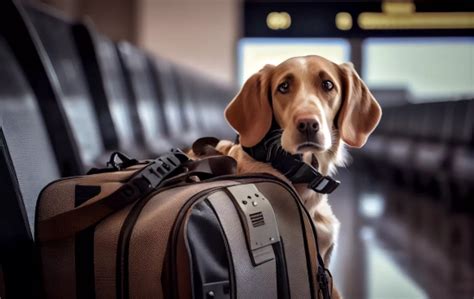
(460, 129)
(403, 121)
(148, 109)
(56, 36)
(188, 91)
(164, 79)
(36, 66)
(435, 121)
(109, 89)
(193, 104)
(27, 164)
(210, 100)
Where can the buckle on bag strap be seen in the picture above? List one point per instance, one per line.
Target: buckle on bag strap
(151, 176)
(125, 161)
(324, 184)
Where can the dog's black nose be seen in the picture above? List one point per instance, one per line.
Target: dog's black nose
(308, 126)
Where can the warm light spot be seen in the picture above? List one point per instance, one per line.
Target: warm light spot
(421, 20)
(343, 21)
(398, 7)
(278, 20)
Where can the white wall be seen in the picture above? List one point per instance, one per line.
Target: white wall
(199, 34)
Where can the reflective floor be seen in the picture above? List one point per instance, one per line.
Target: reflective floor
(381, 257)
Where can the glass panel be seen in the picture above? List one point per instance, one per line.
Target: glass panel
(428, 68)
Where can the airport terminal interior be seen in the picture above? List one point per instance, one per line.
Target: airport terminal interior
(80, 80)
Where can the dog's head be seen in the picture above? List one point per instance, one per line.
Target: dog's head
(315, 101)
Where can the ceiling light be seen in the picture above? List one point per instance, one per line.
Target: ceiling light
(343, 21)
(278, 20)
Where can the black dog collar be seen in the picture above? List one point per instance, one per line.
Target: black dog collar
(269, 150)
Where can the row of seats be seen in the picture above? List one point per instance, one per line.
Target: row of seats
(427, 146)
(70, 96)
(425, 155)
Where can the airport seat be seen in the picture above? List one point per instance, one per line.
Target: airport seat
(462, 140)
(373, 156)
(458, 239)
(188, 94)
(401, 143)
(208, 101)
(391, 96)
(462, 164)
(213, 98)
(37, 69)
(56, 37)
(147, 111)
(430, 154)
(27, 164)
(164, 83)
(109, 91)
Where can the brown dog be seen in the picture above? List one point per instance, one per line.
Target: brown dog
(320, 106)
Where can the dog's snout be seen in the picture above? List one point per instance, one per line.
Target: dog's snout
(308, 126)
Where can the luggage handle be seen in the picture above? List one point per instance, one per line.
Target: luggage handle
(156, 174)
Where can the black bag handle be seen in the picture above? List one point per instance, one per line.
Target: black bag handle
(114, 165)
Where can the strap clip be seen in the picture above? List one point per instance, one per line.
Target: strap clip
(324, 184)
(153, 175)
(304, 172)
(125, 161)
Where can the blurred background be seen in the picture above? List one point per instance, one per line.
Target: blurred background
(82, 78)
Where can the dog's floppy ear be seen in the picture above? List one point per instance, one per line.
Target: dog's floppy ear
(250, 113)
(360, 113)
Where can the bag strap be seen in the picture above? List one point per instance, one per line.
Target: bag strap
(153, 176)
(206, 146)
(138, 186)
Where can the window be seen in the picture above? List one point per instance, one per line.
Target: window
(429, 69)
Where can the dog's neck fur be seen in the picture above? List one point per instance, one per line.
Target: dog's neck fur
(331, 159)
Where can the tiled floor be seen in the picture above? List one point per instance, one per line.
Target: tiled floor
(378, 258)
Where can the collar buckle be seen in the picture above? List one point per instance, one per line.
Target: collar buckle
(324, 184)
(304, 172)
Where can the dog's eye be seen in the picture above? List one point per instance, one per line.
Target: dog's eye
(328, 85)
(283, 87)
